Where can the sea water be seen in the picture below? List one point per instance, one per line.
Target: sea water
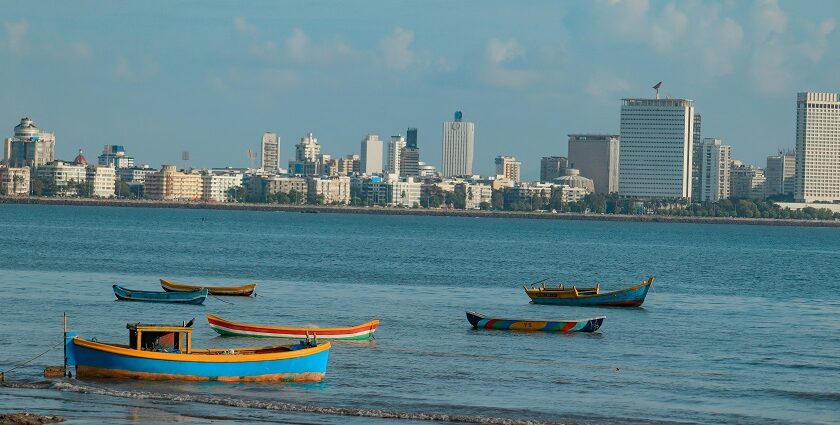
(742, 326)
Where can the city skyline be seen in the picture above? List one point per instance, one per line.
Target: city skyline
(525, 86)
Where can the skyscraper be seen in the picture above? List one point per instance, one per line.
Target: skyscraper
(552, 167)
(695, 158)
(30, 146)
(410, 159)
(596, 157)
(458, 138)
(392, 159)
(657, 137)
(270, 153)
(780, 174)
(308, 160)
(371, 161)
(509, 167)
(713, 179)
(817, 147)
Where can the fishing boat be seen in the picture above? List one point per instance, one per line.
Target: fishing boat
(227, 328)
(244, 290)
(633, 296)
(194, 297)
(165, 352)
(591, 324)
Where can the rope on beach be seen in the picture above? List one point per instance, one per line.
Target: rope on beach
(217, 298)
(30, 360)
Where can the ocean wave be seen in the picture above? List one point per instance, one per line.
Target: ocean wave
(295, 407)
(806, 395)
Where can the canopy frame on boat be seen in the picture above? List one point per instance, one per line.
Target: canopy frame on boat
(150, 337)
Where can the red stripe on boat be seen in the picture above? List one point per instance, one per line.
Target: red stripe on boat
(301, 332)
(568, 326)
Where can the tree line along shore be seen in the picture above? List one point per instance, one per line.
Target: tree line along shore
(809, 220)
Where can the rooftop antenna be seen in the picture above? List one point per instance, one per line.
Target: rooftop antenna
(251, 157)
(656, 87)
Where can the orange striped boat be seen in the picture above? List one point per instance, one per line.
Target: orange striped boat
(228, 328)
(244, 290)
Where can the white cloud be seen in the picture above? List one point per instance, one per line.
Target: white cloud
(126, 71)
(499, 52)
(80, 50)
(300, 49)
(814, 48)
(769, 71)
(15, 34)
(667, 29)
(268, 51)
(396, 48)
(768, 19)
(241, 25)
(280, 79)
(606, 86)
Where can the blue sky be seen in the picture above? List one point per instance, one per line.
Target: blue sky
(211, 76)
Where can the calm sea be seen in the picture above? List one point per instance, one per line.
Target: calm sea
(743, 325)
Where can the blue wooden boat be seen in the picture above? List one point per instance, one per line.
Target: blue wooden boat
(165, 352)
(591, 324)
(633, 296)
(194, 297)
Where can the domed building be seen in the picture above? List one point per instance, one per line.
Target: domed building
(27, 130)
(30, 146)
(574, 179)
(80, 159)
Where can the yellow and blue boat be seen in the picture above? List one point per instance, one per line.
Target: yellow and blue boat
(165, 352)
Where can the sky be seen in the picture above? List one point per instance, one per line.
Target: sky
(209, 77)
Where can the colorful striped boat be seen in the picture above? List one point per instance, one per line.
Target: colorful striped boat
(591, 324)
(633, 296)
(164, 352)
(194, 297)
(244, 290)
(228, 328)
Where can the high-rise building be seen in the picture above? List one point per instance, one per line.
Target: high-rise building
(780, 174)
(348, 165)
(596, 156)
(308, 159)
(714, 173)
(410, 158)
(371, 161)
(101, 180)
(695, 158)
(170, 184)
(458, 140)
(114, 155)
(657, 137)
(29, 147)
(270, 153)
(509, 167)
(817, 147)
(552, 167)
(746, 181)
(392, 159)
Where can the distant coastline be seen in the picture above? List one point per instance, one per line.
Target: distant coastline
(142, 203)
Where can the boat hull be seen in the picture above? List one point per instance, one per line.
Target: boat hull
(629, 297)
(244, 290)
(195, 297)
(94, 360)
(591, 324)
(364, 331)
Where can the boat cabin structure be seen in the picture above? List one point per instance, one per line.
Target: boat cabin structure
(160, 338)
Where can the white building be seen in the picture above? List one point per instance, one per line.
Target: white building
(101, 180)
(115, 155)
(14, 181)
(371, 158)
(426, 170)
(715, 160)
(458, 140)
(780, 173)
(403, 193)
(331, 190)
(746, 181)
(62, 177)
(475, 194)
(596, 157)
(656, 148)
(308, 149)
(270, 153)
(29, 147)
(216, 186)
(392, 159)
(817, 147)
(509, 167)
(571, 194)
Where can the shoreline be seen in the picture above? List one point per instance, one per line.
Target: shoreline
(146, 203)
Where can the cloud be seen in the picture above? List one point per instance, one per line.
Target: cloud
(268, 51)
(496, 73)
(499, 52)
(769, 71)
(280, 79)
(80, 50)
(606, 86)
(242, 26)
(15, 34)
(126, 71)
(814, 48)
(768, 19)
(300, 49)
(396, 49)
(666, 29)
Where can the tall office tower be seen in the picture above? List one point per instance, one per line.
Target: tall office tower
(596, 157)
(395, 148)
(115, 156)
(308, 149)
(29, 146)
(695, 158)
(552, 167)
(780, 173)
(458, 139)
(715, 164)
(270, 153)
(657, 137)
(509, 167)
(371, 161)
(817, 147)
(410, 158)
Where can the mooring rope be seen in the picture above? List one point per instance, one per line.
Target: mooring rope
(30, 360)
(217, 298)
